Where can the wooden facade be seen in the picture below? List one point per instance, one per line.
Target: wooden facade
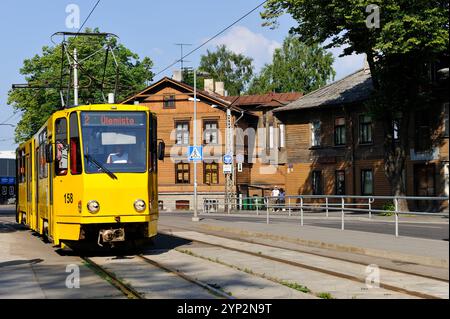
(291, 141)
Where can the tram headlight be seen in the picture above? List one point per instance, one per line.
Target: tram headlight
(93, 206)
(139, 205)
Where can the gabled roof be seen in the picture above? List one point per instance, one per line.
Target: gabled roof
(355, 87)
(212, 97)
(264, 100)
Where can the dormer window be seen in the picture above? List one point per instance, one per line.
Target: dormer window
(169, 101)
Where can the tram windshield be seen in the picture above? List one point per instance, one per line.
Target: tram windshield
(114, 142)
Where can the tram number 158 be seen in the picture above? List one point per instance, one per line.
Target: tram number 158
(68, 198)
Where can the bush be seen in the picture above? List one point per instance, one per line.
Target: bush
(389, 207)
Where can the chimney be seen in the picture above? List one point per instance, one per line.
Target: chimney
(178, 75)
(209, 85)
(220, 88)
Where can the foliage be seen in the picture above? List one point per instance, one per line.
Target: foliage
(296, 67)
(235, 70)
(389, 209)
(411, 35)
(296, 286)
(188, 78)
(45, 70)
(325, 295)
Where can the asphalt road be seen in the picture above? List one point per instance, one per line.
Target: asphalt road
(437, 231)
(427, 230)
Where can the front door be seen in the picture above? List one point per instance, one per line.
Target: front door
(424, 184)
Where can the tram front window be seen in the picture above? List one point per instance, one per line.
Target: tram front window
(115, 141)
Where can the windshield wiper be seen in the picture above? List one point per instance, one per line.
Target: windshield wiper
(99, 165)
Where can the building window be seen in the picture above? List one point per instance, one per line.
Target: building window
(182, 205)
(282, 135)
(366, 182)
(211, 173)
(210, 132)
(446, 119)
(169, 101)
(182, 173)
(365, 129)
(317, 183)
(339, 131)
(182, 133)
(396, 129)
(423, 132)
(315, 133)
(340, 182)
(446, 179)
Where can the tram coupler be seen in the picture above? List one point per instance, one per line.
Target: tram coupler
(111, 236)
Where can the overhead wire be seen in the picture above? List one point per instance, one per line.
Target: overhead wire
(212, 38)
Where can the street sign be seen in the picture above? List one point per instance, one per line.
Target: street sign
(240, 158)
(227, 159)
(195, 153)
(227, 168)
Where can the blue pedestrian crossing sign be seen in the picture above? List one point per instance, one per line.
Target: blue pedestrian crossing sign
(227, 159)
(195, 153)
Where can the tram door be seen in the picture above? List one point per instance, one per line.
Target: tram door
(153, 176)
(29, 219)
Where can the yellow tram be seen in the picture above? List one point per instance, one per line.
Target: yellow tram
(90, 175)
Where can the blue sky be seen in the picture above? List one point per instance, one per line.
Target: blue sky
(150, 28)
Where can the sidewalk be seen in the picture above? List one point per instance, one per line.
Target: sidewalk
(426, 252)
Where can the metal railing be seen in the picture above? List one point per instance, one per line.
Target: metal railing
(343, 205)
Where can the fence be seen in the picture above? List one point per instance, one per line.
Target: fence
(299, 205)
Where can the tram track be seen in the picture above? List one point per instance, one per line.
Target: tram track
(109, 276)
(132, 293)
(340, 275)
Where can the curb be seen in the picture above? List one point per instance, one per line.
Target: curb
(421, 260)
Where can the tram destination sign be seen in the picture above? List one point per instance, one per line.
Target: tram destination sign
(122, 119)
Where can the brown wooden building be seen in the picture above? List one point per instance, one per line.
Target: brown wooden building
(173, 103)
(321, 143)
(335, 147)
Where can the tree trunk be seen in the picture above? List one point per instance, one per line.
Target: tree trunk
(395, 158)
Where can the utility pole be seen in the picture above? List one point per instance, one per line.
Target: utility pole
(182, 54)
(75, 77)
(229, 151)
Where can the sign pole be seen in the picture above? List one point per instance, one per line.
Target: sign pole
(195, 218)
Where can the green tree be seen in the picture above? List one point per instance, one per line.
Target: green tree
(295, 67)
(410, 35)
(44, 70)
(235, 70)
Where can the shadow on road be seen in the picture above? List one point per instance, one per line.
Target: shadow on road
(160, 244)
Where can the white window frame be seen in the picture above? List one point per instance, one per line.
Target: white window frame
(271, 137)
(282, 128)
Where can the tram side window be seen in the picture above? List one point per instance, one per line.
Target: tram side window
(61, 147)
(21, 167)
(75, 150)
(43, 169)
